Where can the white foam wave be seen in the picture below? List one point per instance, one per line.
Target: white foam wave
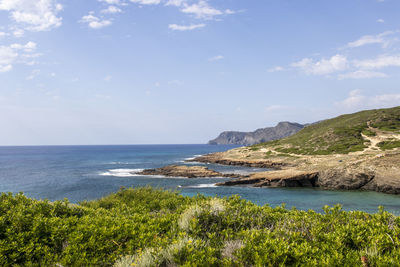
(122, 172)
(192, 157)
(201, 186)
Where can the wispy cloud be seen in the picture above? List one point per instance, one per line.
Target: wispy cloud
(112, 2)
(112, 10)
(176, 27)
(276, 69)
(95, 22)
(322, 67)
(379, 62)
(175, 2)
(14, 54)
(216, 58)
(146, 2)
(382, 38)
(356, 100)
(203, 10)
(362, 74)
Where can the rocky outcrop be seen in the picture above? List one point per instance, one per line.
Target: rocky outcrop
(281, 130)
(187, 172)
(345, 178)
(216, 159)
(285, 178)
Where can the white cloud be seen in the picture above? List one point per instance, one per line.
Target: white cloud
(9, 55)
(7, 58)
(95, 22)
(38, 15)
(356, 101)
(362, 74)
(28, 47)
(18, 33)
(175, 2)
(2, 34)
(230, 12)
(379, 62)
(190, 27)
(380, 20)
(276, 69)
(373, 39)
(33, 74)
(146, 2)
(111, 2)
(201, 10)
(111, 10)
(108, 78)
(216, 58)
(324, 66)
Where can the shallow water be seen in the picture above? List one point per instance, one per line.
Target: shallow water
(89, 172)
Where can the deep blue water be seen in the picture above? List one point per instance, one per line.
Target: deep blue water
(89, 172)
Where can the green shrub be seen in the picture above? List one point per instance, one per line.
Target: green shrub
(386, 145)
(150, 227)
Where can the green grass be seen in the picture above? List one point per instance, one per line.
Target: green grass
(151, 227)
(368, 132)
(385, 145)
(340, 135)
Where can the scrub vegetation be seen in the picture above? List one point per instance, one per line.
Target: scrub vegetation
(152, 227)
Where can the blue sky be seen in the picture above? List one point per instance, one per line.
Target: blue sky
(182, 71)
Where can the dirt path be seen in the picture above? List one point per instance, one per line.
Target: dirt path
(380, 136)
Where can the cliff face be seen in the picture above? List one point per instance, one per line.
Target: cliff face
(281, 130)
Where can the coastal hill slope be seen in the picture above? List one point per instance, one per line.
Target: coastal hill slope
(281, 130)
(343, 134)
(352, 151)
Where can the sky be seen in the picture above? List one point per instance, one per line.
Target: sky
(77, 72)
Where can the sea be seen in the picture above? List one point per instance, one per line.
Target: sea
(81, 173)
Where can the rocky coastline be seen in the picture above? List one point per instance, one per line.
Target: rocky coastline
(188, 172)
(353, 171)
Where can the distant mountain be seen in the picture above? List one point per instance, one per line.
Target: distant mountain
(281, 130)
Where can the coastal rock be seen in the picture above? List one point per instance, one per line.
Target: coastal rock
(215, 158)
(187, 172)
(286, 178)
(345, 178)
(281, 130)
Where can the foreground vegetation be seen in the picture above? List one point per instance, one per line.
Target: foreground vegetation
(339, 135)
(149, 227)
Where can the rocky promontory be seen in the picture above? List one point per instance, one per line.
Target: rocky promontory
(281, 130)
(187, 172)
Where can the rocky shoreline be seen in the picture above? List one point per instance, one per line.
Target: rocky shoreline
(370, 171)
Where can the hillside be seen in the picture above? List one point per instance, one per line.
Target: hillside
(281, 130)
(343, 134)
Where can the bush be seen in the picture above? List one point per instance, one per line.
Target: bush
(150, 227)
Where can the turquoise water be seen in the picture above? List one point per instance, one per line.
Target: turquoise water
(89, 172)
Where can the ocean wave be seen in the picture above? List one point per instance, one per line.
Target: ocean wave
(192, 157)
(200, 186)
(121, 163)
(122, 172)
